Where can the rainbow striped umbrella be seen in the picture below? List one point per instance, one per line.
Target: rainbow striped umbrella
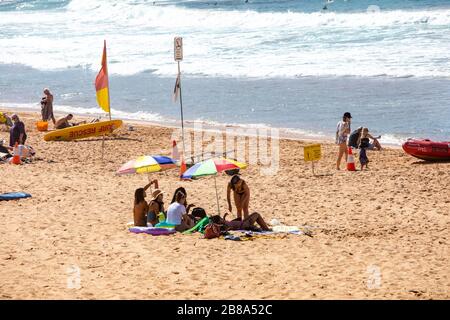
(147, 164)
(211, 167)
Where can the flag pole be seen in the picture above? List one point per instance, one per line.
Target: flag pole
(109, 99)
(181, 105)
(217, 195)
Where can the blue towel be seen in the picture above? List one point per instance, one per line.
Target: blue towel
(14, 196)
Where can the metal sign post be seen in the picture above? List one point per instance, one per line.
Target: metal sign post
(178, 56)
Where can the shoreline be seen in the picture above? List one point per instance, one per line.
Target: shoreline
(216, 128)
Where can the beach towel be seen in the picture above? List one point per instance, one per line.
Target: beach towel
(200, 226)
(281, 229)
(14, 196)
(152, 230)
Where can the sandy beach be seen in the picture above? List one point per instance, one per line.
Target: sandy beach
(377, 234)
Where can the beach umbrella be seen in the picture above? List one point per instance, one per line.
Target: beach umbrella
(212, 167)
(147, 164)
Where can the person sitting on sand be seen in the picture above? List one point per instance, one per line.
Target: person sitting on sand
(47, 106)
(140, 208)
(246, 224)
(155, 207)
(6, 120)
(241, 194)
(183, 190)
(64, 122)
(17, 132)
(177, 214)
(364, 140)
(4, 151)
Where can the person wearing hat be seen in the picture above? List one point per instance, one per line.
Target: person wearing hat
(241, 195)
(342, 132)
(155, 207)
(17, 132)
(140, 208)
(47, 106)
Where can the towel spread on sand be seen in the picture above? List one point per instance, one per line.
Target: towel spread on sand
(14, 196)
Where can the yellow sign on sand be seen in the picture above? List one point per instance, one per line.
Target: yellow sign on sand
(313, 152)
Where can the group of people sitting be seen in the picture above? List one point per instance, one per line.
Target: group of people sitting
(178, 212)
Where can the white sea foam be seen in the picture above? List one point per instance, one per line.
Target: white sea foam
(94, 112)
(228, 42)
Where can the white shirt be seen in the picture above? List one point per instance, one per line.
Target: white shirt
(174, 213)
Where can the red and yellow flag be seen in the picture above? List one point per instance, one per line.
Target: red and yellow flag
(102, 84)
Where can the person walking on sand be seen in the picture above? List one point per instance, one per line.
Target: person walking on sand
(17, 132)
(342, 132)
(47, 106)
(241, 194)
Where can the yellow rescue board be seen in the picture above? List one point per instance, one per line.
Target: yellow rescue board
(83, 131)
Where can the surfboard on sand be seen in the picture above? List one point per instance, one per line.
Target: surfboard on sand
(83, 131)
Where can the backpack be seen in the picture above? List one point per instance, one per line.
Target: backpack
(212, 231)
(215, 227)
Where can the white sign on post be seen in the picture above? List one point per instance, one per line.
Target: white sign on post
(178, 48)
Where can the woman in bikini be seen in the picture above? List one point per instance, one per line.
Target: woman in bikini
(155, 207)
(241, 194)
(342, 132)
(140, 208)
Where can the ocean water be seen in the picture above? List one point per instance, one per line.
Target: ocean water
(284, 64)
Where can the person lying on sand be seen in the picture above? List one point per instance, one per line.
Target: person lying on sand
(246, 224)
(241, 194)
(64, 122)
(140, 208)
(177, 214)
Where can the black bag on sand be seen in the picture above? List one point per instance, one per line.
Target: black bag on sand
(198, 213)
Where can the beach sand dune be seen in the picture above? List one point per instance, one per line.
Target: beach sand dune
(382, 233)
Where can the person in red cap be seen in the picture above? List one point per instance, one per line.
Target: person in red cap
(342, 132)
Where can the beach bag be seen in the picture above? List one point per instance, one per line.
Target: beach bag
(198, 213)
(212, 230)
